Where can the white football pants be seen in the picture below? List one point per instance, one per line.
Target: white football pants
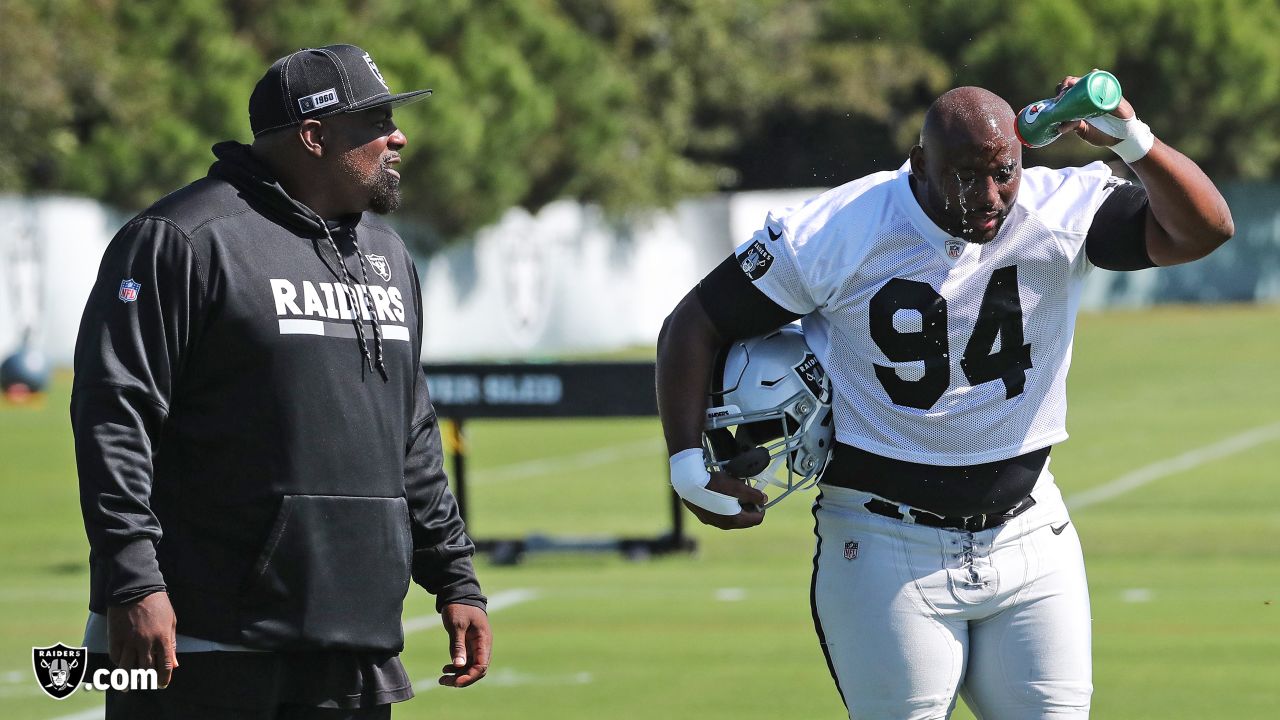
(908, 615)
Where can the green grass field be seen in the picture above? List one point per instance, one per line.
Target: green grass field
(1184, 570)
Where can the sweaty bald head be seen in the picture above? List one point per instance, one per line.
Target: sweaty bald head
(966, 169)
(967, 115)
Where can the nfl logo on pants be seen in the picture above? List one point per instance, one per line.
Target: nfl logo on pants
(851, 550)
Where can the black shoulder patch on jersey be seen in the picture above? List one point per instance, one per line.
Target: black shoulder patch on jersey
(736, 307)
(755, 261)
(1117, 238)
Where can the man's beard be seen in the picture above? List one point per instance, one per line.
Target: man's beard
(385, 193)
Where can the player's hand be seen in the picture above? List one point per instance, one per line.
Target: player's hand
(1084, 130)
(469, 644)
(751, 500)
(144, 635)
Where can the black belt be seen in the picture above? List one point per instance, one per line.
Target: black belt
(969, 523)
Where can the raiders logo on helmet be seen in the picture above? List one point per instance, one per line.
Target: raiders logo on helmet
(814, 377)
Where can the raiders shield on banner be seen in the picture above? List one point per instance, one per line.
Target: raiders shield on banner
(59, 669)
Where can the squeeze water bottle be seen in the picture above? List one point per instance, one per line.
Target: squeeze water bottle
(1097, 93)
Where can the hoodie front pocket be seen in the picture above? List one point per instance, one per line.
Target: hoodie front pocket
(333, 573)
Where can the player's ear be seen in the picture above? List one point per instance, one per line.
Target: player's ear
(917, 162)
(311, 135)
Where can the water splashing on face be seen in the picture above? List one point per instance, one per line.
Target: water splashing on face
(963, 187)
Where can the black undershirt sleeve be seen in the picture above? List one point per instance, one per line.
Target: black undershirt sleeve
(737, 308)
(1117, 238)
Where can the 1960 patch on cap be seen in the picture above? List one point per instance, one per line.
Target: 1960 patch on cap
(318, 83)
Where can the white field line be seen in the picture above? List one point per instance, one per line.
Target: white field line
(507, 677)
(504, 599)
(17, 683)
(651, 447)
(500, 600)
(91, 714)
(45, 594)
(1174, 465)
(25, 689)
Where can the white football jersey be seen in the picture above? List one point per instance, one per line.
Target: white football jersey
(939, 351)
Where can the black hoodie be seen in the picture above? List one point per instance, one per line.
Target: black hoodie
(236, 446)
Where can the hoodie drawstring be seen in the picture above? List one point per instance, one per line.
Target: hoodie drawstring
(368, 301)
(348, 281)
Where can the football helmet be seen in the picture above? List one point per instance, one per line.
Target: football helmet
(769, 416)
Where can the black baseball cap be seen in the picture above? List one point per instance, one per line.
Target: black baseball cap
(317, 83)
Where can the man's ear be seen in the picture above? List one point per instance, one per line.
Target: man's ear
(917, 162)
(311, 134)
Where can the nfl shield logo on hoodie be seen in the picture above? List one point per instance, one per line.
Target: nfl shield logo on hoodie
(129, 290)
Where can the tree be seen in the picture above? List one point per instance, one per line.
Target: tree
(526, 109)
(1205, 74)
(624, 103)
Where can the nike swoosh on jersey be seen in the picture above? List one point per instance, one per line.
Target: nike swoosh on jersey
(1058, 530)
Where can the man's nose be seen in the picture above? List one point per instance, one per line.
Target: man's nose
(397, 139)
(986, 192)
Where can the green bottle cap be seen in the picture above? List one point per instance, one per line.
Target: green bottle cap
(1104, 91)
(1094, 94)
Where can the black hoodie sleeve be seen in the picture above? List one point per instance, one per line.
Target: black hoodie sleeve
(441, 549)
(141, 317)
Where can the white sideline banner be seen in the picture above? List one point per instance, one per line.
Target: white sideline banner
(567, 279)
